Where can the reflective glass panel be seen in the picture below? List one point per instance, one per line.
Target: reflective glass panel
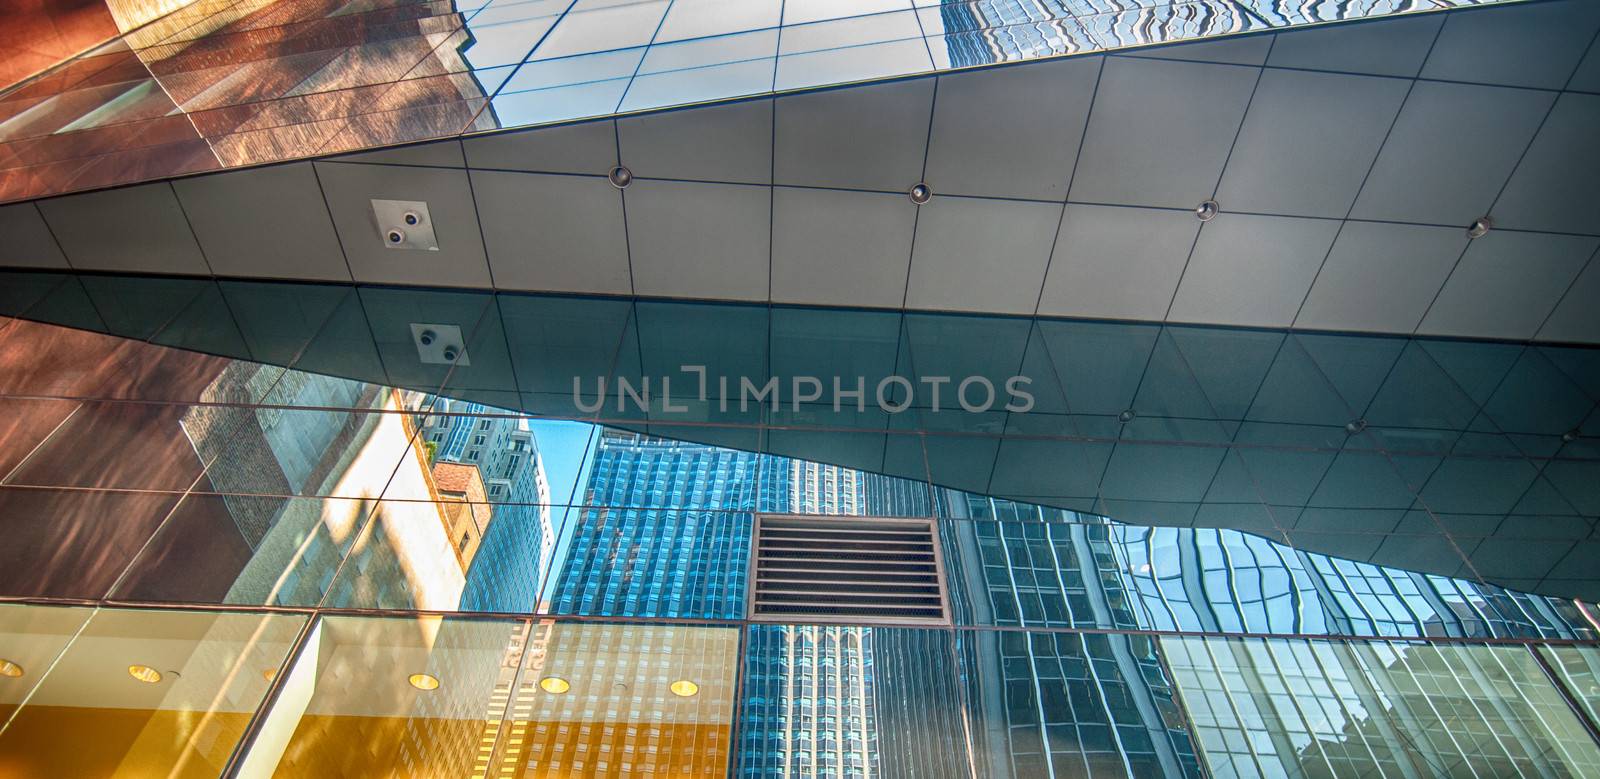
(156, 693)
(1273, 707)
(432, 696)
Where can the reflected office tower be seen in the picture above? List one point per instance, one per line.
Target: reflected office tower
(1221, 580)
(685, 555)
(1029, 566)
(1055, 704)
(514, 547)
(846, 701)
(598, 700)
(810, 687)
(1004, 30)
(306, 445)
(809, 703)
(1293, 707)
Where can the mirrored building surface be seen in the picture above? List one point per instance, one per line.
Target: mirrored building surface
(184, 86)
(800, 389)
(527, 589)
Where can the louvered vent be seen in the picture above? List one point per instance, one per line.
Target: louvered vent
(864, 570)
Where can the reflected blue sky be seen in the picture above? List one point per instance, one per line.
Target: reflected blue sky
(1231, 451)
(583, 58)
(567, 451)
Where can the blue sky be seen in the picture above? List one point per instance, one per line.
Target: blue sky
(565, 448)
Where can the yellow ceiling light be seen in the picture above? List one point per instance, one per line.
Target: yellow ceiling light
(144, 673)
(269, 673)
(9, 669)
(683, 688)
(424, 682)
(554, 685)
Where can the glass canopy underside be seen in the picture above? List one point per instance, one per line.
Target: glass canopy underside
(214, 85)
(252, 530)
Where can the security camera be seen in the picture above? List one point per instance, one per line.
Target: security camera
(412, 218)
(397, 236)
(427, 337)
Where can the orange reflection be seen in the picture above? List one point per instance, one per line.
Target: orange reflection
(489, 716)
(209, 84)
(88, 716)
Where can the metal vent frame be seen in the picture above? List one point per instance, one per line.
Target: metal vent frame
(838, 528)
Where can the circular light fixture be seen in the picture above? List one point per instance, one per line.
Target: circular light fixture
(620, 177)
(1355, 426)
(554, 685)
(9, 669)
(683, 688)
(397, 236)
(1207, 210)
(921, 193)
(1570, 436)
(1480, 227)
(424, 682)
(144, 673)
(269, 674)
(1127, 416)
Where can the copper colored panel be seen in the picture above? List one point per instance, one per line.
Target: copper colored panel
(48, 360)
(25, 423)
(130, 445)
(40, 33)
(73, 543)
(191, 155)
(198, 554)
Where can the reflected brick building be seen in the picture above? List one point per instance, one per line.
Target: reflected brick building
(217, 86)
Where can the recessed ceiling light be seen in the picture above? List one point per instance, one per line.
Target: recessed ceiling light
(1207, 211)
(9, 669)
(1355, 426)
(683, 688)
(144, 673)
(1570, 436)
(1480, 227)
(1127, 416)
(921, 193)
(424, 682)
(554, 685)
(269, 673)
(620, 177)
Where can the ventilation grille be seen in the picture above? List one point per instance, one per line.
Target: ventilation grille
(870, 571)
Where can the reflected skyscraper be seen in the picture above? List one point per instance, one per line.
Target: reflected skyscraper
(663, 532)
(518, 541)
(810, 707)
(1031, 566)
(989, 31)
(847, 701)
(1048, 703)
(961, 389)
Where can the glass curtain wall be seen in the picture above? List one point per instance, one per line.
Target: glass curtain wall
(248, 532)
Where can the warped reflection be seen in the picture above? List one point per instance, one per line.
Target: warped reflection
(219, 85)
(170, 447)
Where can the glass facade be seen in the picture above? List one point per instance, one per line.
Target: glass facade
(207, 85)
(250, 533)
(1271, 707)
